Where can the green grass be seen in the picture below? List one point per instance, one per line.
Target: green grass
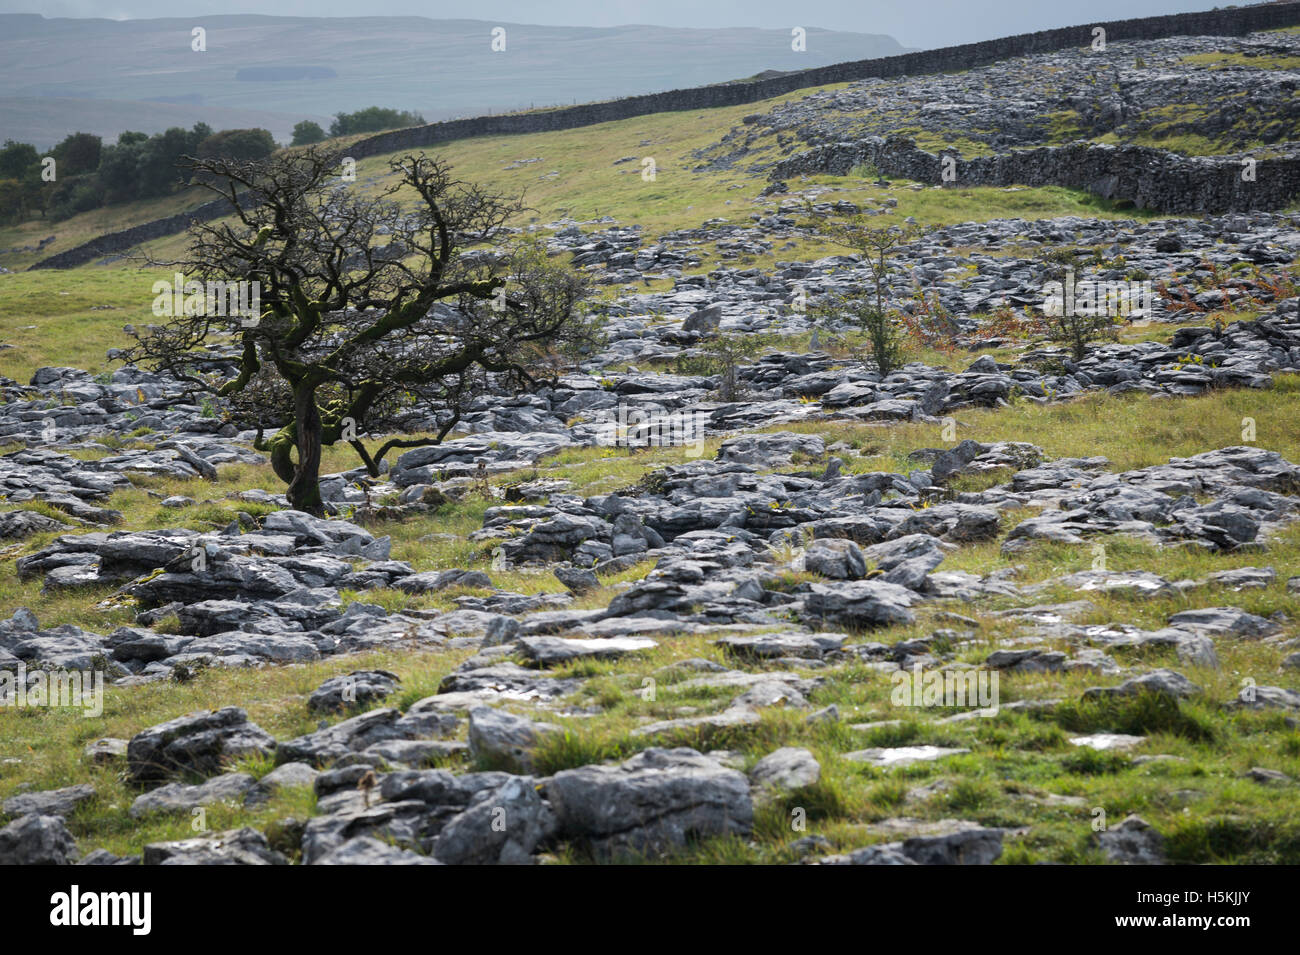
(85, 226)
(1132, 431)
(46, 744)
(71, 318)
(1224, 60)
(1017, 760)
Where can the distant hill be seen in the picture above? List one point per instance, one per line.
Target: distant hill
(275, 71)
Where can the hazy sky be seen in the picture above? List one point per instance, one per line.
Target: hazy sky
(914, 23)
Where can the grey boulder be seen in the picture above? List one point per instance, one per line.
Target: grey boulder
(1168, 683)
(1132, 842)
(367, 850)
(197, 743)
(37, 840)
(501, 740)
(788, 768)
(179, 797)
(244, 846)
(51, 802)
(837, 558)
(859, 603)
(355, 689)
(656, 801)
(503, 827)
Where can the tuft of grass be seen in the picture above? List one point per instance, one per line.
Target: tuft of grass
(1139, 715)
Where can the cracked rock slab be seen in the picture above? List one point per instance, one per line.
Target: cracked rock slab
(658, 800)
(771, 645)
(859, 603)
(51, 802)
(199, 743)
(179, 797)
(967, 844)
(367, 850)
(244, 846)
(550, 651)
(1168, 683)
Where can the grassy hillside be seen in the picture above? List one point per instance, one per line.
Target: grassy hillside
(18, 243)
(1020, 770)
(71, 317)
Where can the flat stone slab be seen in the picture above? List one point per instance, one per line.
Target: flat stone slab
(51, 802)
(739, 679)
(416, 752)
(1223, 620)
(628, 626)
(945, 842)
(290, 775)
(1135, 582)
(352, 690)
(178, 797)
(549, 651)
(1168, 683)
(890, 757)
(1049, 613)
(1267, 697)
(763, 645)
(105, 750)
(367, 850)
(904, 826)
(507, 681)
(733, 716)
(790, 767)
(1243, 578)
(1108, 741)
(772, 693)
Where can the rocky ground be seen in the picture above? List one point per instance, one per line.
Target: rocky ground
(1200, 94)
(552, 638)
(774, 549)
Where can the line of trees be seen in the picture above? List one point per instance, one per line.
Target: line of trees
(372, 119)
(89, 174)
(23, 192)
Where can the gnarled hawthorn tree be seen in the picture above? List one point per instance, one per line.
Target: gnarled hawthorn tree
(371, 305)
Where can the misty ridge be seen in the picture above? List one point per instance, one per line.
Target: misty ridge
(273, 72)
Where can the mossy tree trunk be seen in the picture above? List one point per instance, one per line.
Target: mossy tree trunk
(304, 490)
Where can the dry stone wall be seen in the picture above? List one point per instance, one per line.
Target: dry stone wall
(1232, 22)
(1149, 178)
